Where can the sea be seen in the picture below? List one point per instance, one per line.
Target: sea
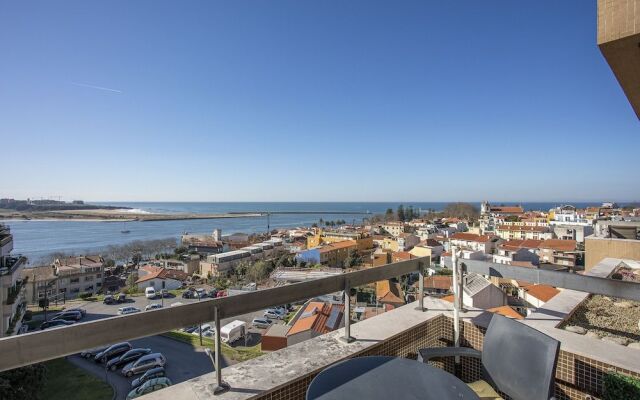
(36, 239)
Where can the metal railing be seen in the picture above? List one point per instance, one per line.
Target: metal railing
(583, 283)
(17, 351)
(29, 348)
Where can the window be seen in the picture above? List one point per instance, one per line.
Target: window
(98, 276)
(88, 278)
(75, 290)
(98, 284)
(89, 288)
(75, 280)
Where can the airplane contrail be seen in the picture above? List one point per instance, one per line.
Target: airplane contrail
(106, 89)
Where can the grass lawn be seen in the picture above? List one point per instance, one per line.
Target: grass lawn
(65, 381)
(233, 353)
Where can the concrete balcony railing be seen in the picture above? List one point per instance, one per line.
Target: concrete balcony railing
(285, 374)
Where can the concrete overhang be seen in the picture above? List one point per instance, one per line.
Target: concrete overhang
(619, 42)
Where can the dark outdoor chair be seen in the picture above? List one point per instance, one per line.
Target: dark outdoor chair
(516, 360)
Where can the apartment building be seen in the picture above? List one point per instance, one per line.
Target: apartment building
(66, 278)
(394, 228)
(492, 216)
(470, 241)
(363, 240)
(520, 232)
(12, 301)
(559, 252)
(517, 251)
(612, 239)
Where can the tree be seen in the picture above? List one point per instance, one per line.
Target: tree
(400, 213)
(136, 258)
(353, 259)
(131, 282)
(109, 263)
(388, 215)
(23, 383)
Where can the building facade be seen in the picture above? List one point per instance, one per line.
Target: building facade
(12, 285)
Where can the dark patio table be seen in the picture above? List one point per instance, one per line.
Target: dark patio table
(387, 378)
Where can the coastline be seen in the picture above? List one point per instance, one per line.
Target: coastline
(105, 215)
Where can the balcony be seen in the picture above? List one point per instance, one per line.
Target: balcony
(10, 268)
(285, 374)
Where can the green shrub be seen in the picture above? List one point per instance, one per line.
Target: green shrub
(85, 296)
(618, 386)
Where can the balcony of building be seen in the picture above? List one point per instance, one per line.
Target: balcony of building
(286, 374)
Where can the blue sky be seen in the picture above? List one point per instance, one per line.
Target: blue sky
(311, 101)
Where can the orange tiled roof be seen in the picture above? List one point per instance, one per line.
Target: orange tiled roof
(438, 282)
(471, 237)
(317, 319)
(389, 292)
(559, 245)
(542, 292)
(401, 256)
(506, 311)
(161, 273)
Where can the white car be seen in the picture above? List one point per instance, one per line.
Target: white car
(153, 306)
(150, 293)
(127, 310)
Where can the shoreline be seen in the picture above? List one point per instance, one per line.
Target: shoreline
(118, 215)
(121, 218)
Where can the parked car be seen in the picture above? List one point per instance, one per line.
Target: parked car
(144, 364)
(221, 293)
(272, 314)
(213, 293)
(55, 324)
(148, 387)
(91, 353)
(68, 316)
(127, 310)
(153, 306)
(80, 310)
(204, 328)
(153, 373)
(126, 358)
(112, 351)
(189, 329)
(150, 293)
(261, 323)
(122, 298)
(189, 294)
(200, 293)
(109, 299)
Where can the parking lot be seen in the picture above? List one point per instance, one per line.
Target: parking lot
(184, 361)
